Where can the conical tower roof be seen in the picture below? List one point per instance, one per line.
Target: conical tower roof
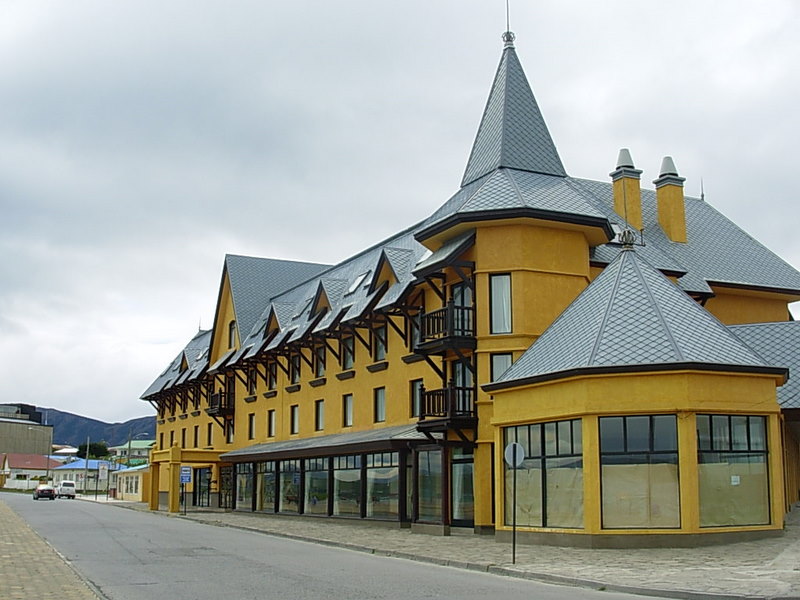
(512, 132)
(632, 318)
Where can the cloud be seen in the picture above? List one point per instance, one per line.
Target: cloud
(141, 141)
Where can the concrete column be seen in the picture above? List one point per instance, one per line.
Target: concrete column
(155, 474)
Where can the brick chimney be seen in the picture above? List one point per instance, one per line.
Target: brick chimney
(627, 191)
(669, 196)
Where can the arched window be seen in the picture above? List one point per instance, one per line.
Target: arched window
(231, 334)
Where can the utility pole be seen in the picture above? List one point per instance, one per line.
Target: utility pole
(86, 466)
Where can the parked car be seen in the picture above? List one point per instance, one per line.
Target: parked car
(44, 491)
(66, 489)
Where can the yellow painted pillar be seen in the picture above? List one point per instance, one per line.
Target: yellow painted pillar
(174, 502)
(688, 472)
(592, 500)
(776, 472)
(155, 471)
(482, 486)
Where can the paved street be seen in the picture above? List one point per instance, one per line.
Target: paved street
(762, 569)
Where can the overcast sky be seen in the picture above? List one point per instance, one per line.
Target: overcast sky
(140, 141)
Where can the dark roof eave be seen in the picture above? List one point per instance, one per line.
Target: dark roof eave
(756, 287)
(336, 450)
(514, 213)
(641, 368)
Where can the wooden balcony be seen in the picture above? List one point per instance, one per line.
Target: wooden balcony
(449, 408)
(446, 329)
(218, 405)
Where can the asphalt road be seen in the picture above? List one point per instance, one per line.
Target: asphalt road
(130, 555)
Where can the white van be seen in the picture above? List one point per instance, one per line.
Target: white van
(66, 489)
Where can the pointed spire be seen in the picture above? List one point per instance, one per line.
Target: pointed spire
(512, 132)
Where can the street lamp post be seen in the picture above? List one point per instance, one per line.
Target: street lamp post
(130, 438)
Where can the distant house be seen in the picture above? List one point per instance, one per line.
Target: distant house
(25, 471)
(95, 474)
(131, 484)
(139, 452)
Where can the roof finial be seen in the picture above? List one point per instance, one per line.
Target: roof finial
(627, 238)
(702, 190)
(508, 36)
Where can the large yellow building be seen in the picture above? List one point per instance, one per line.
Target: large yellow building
(634, 343)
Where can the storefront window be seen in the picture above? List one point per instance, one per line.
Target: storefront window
(265, 486)
(430, 485)
(347, 486)
(461, 490)
(383, 485)
(244, 486)
(550, 479)
(639, 469)
(316, 489)
(290, 485)
(733, 470)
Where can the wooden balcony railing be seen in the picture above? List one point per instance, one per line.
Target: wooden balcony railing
(218, 405)
(450, 321)
(451, 401)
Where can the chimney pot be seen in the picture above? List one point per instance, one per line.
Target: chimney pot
(624, 159)
(668, 167)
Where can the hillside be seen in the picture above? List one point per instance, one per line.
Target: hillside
(72, 429)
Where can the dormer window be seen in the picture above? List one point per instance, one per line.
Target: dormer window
(232, 334)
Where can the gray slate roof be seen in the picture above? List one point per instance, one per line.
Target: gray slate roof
(779, 344)
(631, 318)
(196, 355)
(254, 282)
(512, 132)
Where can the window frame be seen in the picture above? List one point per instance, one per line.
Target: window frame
(271, 423)
(494, 325)
(232, 334)
(347, 410)
(294, 419)
(319, 415)
(379, 404)
(380, 342)
(251, 426)
(347, 352)
(415, 408)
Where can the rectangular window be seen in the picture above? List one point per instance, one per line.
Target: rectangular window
(379, 343)
(272, 375)
(196, 436)
(639, 472)
(316, 486)
(289, 485)
(416, 397)
(380, 404)
(252, 381)
(294, 368)
(550, 479)
(347, 351)
(383, 485)
(319, 361)
(265, 486)
(229, 431)
(209, 434)
(271, 422)
(733, 469)
(500, 364)
(171, 439)
(347, 486)
(183, 437)
(161, 440)
(500, 303)
(294, 418)
(347, 410)
(251, 426)
(319, 415)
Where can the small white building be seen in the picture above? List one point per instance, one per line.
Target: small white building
(88, 478)
(25, 471)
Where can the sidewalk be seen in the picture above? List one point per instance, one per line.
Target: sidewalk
(767, 568)
(762, 569)
(31, 568)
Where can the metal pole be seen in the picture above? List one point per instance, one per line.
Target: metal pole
(514, 519)
(128, 458)
(86, 467)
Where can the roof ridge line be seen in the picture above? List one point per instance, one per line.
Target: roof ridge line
(507, 173)
(657, 307)
(611, 297)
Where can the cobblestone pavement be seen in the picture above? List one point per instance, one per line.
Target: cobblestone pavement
(31, 568)
(767, 568)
